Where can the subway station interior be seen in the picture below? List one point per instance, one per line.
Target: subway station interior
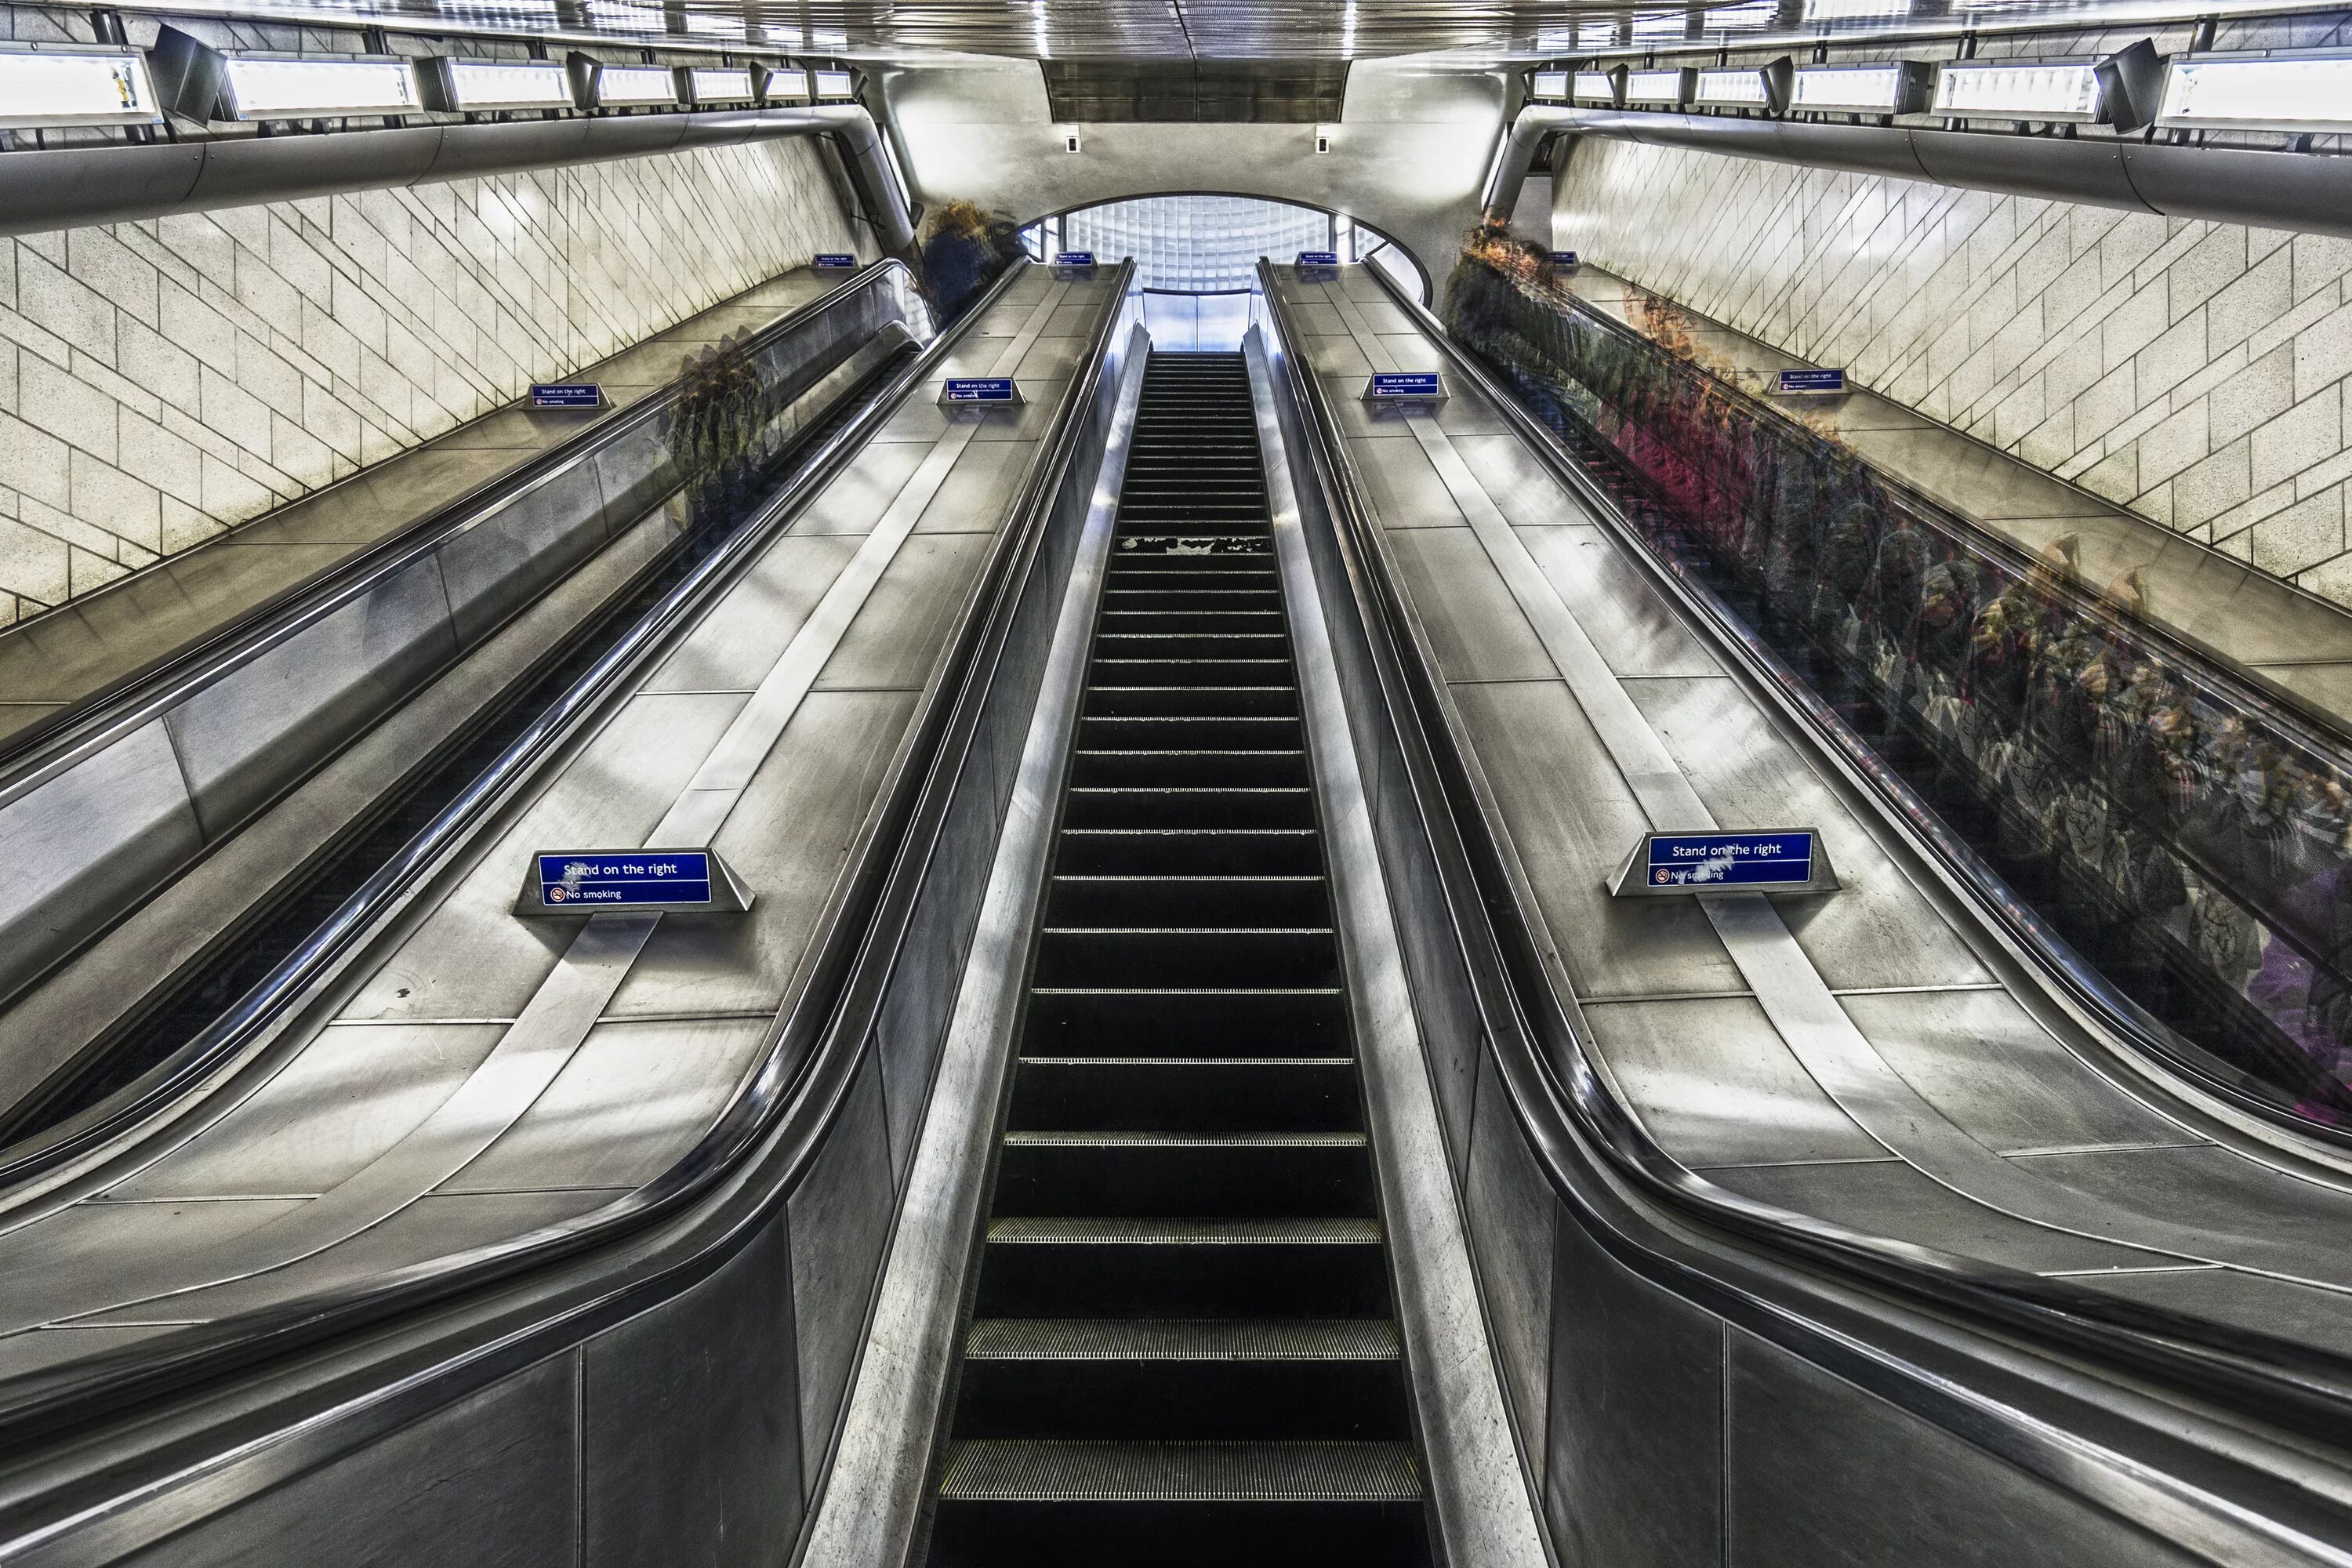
(1176, 784)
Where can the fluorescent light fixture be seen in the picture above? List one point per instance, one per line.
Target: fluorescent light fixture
(1858, 89)
(714, 27)
(1596, 87)
(1731, 88)
(1854, 10)
(1670, 87)
(255, 88)
(1548, 84)
(631, 85)
(1743, 18)
(1598, 35)
(2266, 92)
(720, 84)
(835, 84)
(2018, 90)
(473, 86)
(603, 14)
(787, 83)
(1660, 26)
(39, 89)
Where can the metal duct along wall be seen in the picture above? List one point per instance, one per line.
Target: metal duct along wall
(2303, 190)
(72, 187)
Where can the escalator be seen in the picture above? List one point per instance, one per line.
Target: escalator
(1183, 1347)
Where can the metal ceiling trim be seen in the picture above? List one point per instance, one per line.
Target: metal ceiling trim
(2305, 192)
(74, 187)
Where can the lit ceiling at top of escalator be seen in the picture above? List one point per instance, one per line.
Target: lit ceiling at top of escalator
(1240, 30)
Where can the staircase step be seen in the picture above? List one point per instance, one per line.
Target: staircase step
(1031, 1470)
(1182, 1093)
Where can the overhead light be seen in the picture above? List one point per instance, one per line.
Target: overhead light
(1660, 26)
(2002, 90)
(624, 19)
(1854, 10)
(709, 26)
(1749, 14)
(1597, 35)
(785, 85)
(464, 86)
(2264, 92)
(632, 86)
(1548, 84)
(1596, 87)
(1899, 88)
(835, 84)
(1731, 89)
(85, 87)
(1669, 86)
(720, 84)
(259, 87)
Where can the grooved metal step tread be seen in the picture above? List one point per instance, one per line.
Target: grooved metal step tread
(1018, 1470)
(1188, 789)
(1182, 1339)
(1122, 1230)
(1188, 1061)
(1193, 832)
(1187, 931)
(1047, 1139)
(1184, 991)
(1159, 881)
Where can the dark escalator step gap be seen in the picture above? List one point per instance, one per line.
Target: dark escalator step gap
(1183, 1348)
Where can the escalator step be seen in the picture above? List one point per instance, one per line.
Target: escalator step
(1115, 1139)
(1123, 1230)
(1182, 1339)
(1027, 1470)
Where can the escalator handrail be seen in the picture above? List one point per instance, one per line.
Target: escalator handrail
(2314, 730)
(81, 1135)
(2088, 988)
(1569, 1115)
(804, 1070)
(39, 749)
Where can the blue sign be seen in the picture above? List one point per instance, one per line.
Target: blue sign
(836, 259)
(567, 394)
(1318, 258)
(1811, 382)
(1405, 383)
(1074, 259)
(592, 879)
(1564, 258)
(980, 389)
(1728, 859)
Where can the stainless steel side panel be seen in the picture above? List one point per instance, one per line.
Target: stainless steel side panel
(273, 719)
(84, 841)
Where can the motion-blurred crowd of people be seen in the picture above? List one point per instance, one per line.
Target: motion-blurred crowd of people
(2184, 838)
(717, 426)
(965, 251)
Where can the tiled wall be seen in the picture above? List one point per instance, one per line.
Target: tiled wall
(162, 381)
(2195, 372)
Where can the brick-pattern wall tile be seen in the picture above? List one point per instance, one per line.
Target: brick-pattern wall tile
(162, 381)
(2198, 373)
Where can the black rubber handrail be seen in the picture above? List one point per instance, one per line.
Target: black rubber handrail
(251, 1013)
(806, 1068)
(2313, 729)
(133, 696)
(2083, 982)
(1569, 1116)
